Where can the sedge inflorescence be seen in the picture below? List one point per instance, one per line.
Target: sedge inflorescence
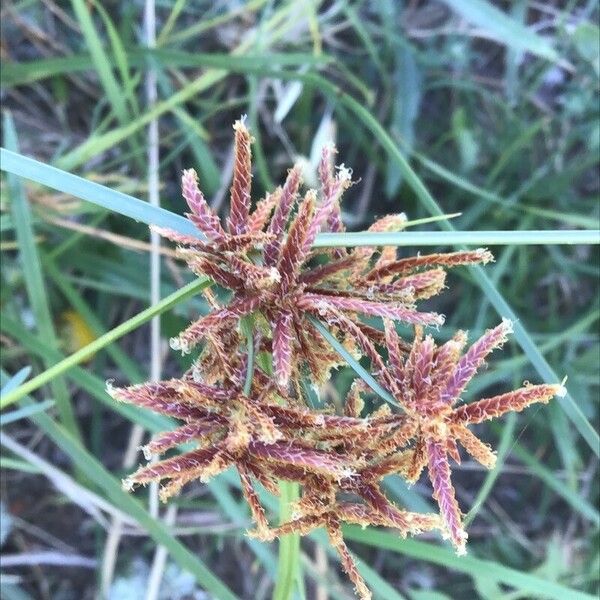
(254, 414)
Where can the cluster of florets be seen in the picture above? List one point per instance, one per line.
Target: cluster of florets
(253, 414)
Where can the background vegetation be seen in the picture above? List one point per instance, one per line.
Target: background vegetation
(493, 105)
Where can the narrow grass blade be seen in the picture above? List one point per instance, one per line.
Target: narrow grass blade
(89, 382)
(101, 61)
(288, 564)
(452, 238)
(34, 280)
(103, 341)
(15, 381)
(112, 200)
(536, 586)
(356, 366)
(23, 413)
(21, 73)
(141, 211)
(503, 28)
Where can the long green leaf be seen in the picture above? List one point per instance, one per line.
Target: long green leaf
(113, 200)
(141, 211)
(503, 28)
(108, 338)
(34, 280)
(470, 565)
(356, 366)
(101, 61)
(288, 564)
(19, 73)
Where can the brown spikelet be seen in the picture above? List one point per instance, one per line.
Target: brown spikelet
(490, 408)
(336, 539)
(259, 218)
(202, 215)
(242, 180)
(481, 452)
(453, 259)
(286, 200)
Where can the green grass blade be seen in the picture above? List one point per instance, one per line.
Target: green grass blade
(112, 200)
(34, 281)
(87, 381)
(454, 238)
(21, 73)
(108, 338)
(134, 208)
(506, 438)
(356, 366)
(503, 28)
(25, 412)
(541, 365)
(15, 381)
(536, 586)
(125, 363)
(101, 61)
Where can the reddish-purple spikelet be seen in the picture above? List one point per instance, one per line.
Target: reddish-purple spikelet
(452, 259)
(490, 408)
(320, 302)
(173, 467)
(242, 180)
(281, 216)
(421, 380)
(260, 216)
(294, 455)
(190, 337)
(342, 181)
(443, 492)
(202, 215)
(393, 347)
(181, 435)
(473, 359)
(445, 359)
(291, 252)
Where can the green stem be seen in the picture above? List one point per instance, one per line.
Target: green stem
(108, 338)
(288, 565)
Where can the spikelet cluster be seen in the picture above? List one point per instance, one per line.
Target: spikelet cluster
(263, 426)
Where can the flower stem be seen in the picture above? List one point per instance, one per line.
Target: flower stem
(288, 565)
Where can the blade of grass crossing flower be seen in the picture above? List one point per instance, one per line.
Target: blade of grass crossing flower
(34, 281)
(114, 334)
(112, 200)
(141, 211)
(356, 366)
(469, 565)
